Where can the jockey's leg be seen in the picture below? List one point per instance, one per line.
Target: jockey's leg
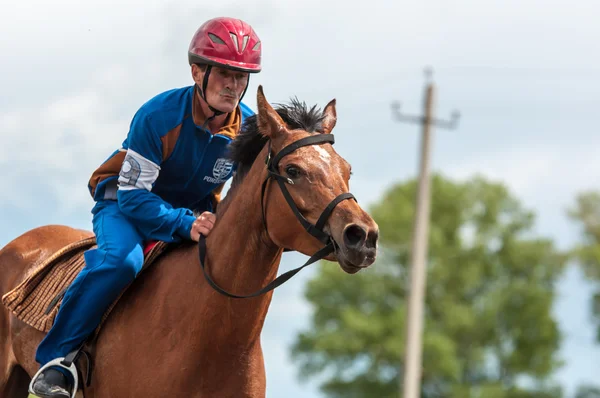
(107, 271)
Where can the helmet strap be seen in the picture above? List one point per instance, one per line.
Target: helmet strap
(246, 89)
(202, 91)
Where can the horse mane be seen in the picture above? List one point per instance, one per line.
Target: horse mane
(244, 149)
(249, 142)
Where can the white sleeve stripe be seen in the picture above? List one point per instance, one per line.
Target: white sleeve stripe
(127, 187)
(140, 157)
(137, 172)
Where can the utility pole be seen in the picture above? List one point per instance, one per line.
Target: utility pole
(411, 385)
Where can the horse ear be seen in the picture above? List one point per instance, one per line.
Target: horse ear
(270, 123)
(330, 117)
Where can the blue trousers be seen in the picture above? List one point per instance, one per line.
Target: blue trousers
(107, 271)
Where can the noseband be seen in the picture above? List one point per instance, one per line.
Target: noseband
(315, 230)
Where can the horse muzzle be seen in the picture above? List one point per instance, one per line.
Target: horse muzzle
(356, 249)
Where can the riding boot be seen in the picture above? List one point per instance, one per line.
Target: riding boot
(52, 383)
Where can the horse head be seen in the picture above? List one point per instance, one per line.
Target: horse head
(314, 189)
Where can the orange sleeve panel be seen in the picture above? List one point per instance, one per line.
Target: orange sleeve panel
(110, 168)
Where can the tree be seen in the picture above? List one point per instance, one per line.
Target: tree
(488, 322)
(586, 213)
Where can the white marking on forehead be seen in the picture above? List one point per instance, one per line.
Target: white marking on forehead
(323, 154)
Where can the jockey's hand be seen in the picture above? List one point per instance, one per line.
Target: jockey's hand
(203, 225)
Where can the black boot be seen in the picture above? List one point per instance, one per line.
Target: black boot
(52, 383)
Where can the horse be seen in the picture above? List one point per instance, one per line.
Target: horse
(177, 330)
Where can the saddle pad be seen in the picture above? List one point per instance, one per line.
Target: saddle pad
(37, 299)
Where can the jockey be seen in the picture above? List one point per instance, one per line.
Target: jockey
(172, 161)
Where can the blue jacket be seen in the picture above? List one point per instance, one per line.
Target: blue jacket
(168, 165)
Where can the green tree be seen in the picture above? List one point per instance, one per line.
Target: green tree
(586, 213)
(489, 328)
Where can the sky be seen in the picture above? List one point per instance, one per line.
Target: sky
(523, 74)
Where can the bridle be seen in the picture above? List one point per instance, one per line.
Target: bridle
(315, 230)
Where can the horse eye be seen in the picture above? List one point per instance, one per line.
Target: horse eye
(292, 171)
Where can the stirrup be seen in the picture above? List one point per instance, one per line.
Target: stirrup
(58, 362)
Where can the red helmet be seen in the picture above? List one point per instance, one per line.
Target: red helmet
(226, 42)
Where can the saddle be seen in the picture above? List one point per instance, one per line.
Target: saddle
(36, 300)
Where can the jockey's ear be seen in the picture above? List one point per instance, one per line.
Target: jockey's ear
(270, 123)
(330, 117)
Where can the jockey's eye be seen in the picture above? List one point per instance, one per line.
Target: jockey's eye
(292, 171)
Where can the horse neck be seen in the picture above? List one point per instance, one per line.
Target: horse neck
(240, 258)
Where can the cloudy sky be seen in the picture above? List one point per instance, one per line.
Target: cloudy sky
(524, 75)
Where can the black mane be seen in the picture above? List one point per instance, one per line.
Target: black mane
(244, 149)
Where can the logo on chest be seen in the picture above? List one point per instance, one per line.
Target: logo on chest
(221, 171)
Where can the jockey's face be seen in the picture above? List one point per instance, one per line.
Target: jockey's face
(224, 86)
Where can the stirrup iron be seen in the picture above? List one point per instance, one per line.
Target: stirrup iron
(60, 363)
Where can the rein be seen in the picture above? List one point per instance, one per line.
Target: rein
(315, 230)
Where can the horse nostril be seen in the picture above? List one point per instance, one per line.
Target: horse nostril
(354, 236)
(372, 238)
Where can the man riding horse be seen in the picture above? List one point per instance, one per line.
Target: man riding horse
(172, 161)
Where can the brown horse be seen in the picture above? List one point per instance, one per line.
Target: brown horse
(171, 333)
